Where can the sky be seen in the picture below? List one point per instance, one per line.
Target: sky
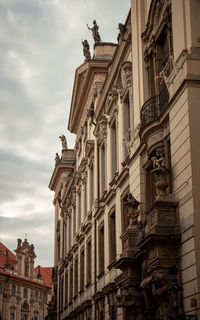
(40, 48)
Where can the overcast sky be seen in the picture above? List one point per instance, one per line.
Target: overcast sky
(40, 48)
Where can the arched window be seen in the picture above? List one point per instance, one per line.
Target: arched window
(26, 267)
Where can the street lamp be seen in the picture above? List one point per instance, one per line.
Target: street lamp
(175, 294)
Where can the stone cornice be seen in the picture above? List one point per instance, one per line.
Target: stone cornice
(58, 170)
(82, 85)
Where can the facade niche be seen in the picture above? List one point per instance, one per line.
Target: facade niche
(156, 168)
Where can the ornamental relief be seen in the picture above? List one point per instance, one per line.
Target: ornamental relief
(101, 129)
(154, 139)
(89, 147)
(111, 100)
(126, 74)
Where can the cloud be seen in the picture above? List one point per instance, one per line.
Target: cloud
(40, 48)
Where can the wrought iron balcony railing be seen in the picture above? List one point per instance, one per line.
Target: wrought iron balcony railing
(154, 107)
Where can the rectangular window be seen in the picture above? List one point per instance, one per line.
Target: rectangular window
(1, 287)
(82, 269)
(70, 232)
(36, 295)
(71, 289)
(126, 124)
(79, 209)
(66, 288)
(101, 249)
(113, 149)
(85, 197)
(61, 293)
(91, 187)
(63, 240)
(74, 221)
(125, 219)
(76, 277)
(89, 256)
(45, 297)
(12, 316)
(112, 236)
(102, 169)
(13, 290)
(25, 295)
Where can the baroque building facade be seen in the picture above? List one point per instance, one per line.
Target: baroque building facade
(127, 197)
(25, 291)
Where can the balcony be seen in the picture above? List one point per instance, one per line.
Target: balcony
(154, 107)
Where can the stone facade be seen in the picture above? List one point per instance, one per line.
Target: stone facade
(25, 291)
(127, 197)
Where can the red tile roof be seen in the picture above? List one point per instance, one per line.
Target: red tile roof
(11, 256)
(46, 274)
(23, 278)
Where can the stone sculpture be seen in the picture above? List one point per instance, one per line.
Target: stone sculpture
(64, 142)
(95, 32)
(86, 50)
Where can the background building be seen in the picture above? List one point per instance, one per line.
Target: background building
(127, 197)
(24, 290)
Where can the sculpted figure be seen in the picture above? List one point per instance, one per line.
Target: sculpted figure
(64, 142)
(86, 50)
(159, 159)
(57, 159)
(160, 286)
(95, 32)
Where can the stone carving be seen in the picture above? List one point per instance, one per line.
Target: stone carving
(86, 50)
(57, 159)
(100, 130)
(122, 30)
(64, 142)
(160, 171)
(126, 74)
(25, 305)
(160, 286)
(95, 32)
(156, 292)
(131, 297)
(132, 205)
(159, 160)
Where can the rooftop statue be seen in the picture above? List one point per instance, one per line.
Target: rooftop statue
(57, 159)
(95, 32)
(64, 142)
(86, 50)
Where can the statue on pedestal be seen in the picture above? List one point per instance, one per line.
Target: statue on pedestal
(64, 142)
(86, 50)
(95, 32)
